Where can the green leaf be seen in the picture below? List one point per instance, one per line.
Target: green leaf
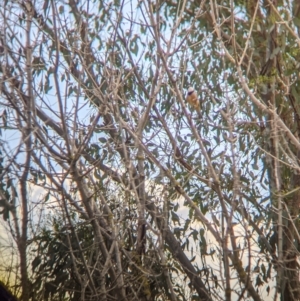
(201, 231)
(61, 9)
(296, 21)
(193, 258)
(175, 217)
(47, 197)
(35, 263)
(259, 282)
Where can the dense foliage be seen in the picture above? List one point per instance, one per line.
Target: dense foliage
(113, 186)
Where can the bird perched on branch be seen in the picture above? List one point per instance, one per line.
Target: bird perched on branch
(192, 99)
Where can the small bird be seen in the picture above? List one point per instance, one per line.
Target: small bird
(192, 99)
